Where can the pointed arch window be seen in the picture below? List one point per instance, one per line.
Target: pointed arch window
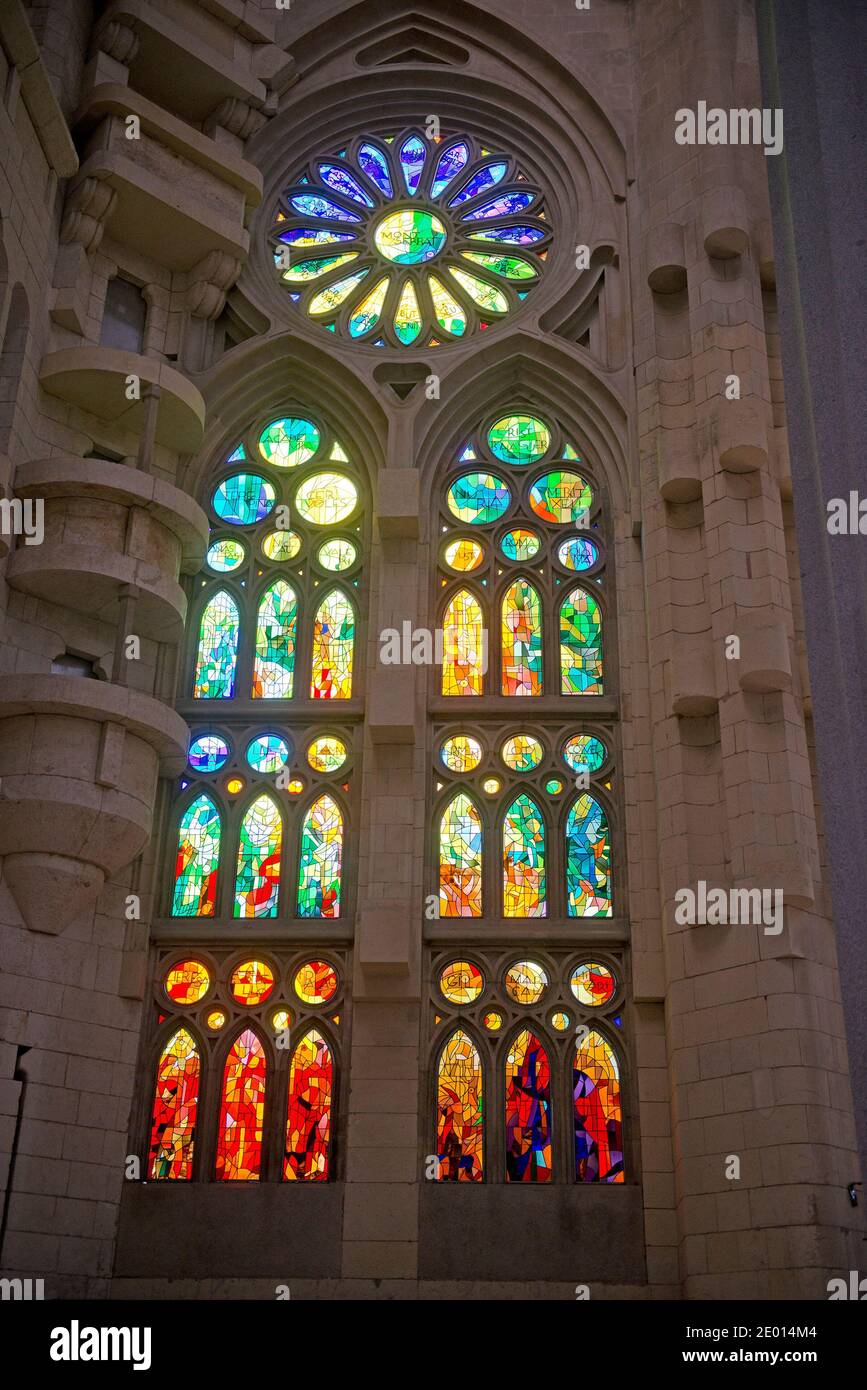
(588, 860)
(217, 650)
(528, 1110)
(333, 648)
(521, 643)
(197, 860)
(242, 1111)
(460, 854)
(175, 1107)
(524, 878)
(274, 661)
(463, 646)
(319, 871)
(598, 1112)
(308, 1122)
(580, 644)
(460, 1093)
(257, 882)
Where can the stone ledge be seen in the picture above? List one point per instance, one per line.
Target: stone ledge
(149, 719)
(93, 379)
(68, 475)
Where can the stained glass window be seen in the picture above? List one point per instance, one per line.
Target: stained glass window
(239, 1138)
(522, 640)
(519, 439)
(274, 665)
(580, 644)
(588, 860)
(333, 645)
(460, 854)
(356, 258)
(528, 1110)
(308, 1121)
(598, 1113)
(176, 1099)
(461, 753)
(218, 649)
(524, 860)
(326, 499)
(320, 860)
(464, 650)
(460, 1133)
(197, 861)
(258, 877)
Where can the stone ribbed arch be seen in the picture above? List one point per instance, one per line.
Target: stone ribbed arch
(553, 377)
(272, 372)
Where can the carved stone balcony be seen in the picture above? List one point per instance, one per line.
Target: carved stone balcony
(109, 528)
(79, 762)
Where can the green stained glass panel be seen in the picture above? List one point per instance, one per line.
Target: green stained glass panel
(479, 498)
(580, 645)
(319, 871)
(259, 846)
(523, 860)
(289, 443)
(218, 649)
(197, 860)
(274, 664)
(588, 860)
(519, 439)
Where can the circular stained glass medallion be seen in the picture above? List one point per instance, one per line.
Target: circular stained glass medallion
(243, 498)
(522, 752)
(316, 982)
(520, 544)
(592, 984)
(519, 439)
(225, 555)
(337, 555)
(251, 982)
(281, 545)
(461, 982)
(526, 982)
(577, 554)
(478, 498)
(461, 753)
(463, 555)
(561, 497)
(187, 982)
(288, 443)
(208, 753)
(268, 753)
(585, 753)
(326, 754)
(410, 237)
(326, 499)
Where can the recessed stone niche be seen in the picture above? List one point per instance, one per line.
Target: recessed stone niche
(665, 258)
(107, 527)
(79, 764)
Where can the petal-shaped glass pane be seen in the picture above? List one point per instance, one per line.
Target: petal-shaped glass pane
(511, 236)
(407, 318)
(451, 316)
(450, 163)
(412, 158)
(304, 271)
(486, 296)
(375, 165)
(340, 179)
(510, 267)
(503, 206)
(367, 314)
(482, 180)
(331, 298)
(312, 205)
